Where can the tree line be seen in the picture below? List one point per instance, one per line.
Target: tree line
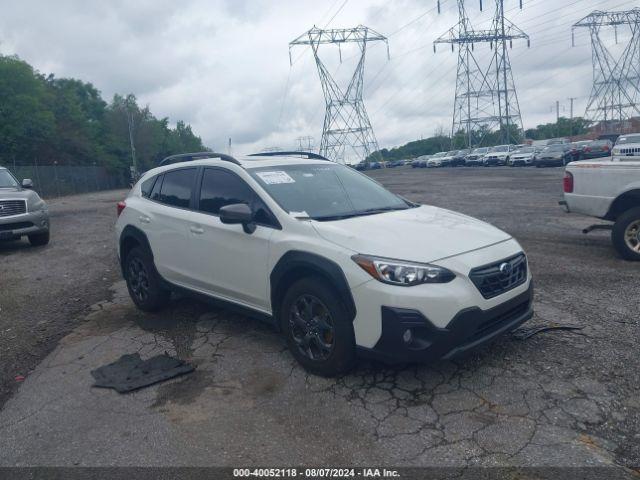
(440, 142)
(46, 120)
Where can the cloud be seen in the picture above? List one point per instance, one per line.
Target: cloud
(223, 65)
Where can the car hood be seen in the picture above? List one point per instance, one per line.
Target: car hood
(15, 192)
(422, 234)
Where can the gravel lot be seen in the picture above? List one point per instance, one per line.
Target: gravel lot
(43, 290)
(556, 399)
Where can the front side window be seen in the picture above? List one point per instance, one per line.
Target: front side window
(326, 192)
(220, 188)
(176, 187)
(7, 180)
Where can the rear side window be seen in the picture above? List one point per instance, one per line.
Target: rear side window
(155, 192)
(147, 186)
(220, 188)
(176, 187)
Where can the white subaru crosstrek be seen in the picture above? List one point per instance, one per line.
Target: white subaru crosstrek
(335, 261)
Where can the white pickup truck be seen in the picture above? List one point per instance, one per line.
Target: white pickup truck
(609, 189)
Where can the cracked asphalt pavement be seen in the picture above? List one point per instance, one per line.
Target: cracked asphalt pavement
(557, 399)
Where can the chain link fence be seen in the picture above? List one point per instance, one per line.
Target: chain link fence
(56, 180)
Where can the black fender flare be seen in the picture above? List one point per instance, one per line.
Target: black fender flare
(299, 260)
(131, 232)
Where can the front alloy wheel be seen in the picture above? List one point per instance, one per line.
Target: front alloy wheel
(311, 327)
(318, 327)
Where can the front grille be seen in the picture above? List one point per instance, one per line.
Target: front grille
(8, 227)
(497, 278)
(12, 207)
(635, 151)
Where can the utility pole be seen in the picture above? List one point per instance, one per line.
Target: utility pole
(486, 97)
(615, 96)
(134, 165)
(557, 118)
(571, 100)
(347, 135)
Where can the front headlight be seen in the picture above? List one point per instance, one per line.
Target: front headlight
(405, 274)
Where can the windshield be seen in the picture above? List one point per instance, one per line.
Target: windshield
(500, 148)
(555, 148)
(439, 154)
(7, 180)
(452, 153)
(325, 192)
(481, 150)
(628, 139)
(526, 150)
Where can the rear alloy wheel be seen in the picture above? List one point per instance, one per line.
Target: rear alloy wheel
(626, 234)
(145, 288)
(317, 327)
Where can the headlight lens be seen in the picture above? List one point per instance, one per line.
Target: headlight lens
(405, 274)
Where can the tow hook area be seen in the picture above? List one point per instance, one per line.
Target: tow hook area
(597, 227)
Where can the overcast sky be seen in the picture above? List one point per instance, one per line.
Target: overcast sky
(223, 66)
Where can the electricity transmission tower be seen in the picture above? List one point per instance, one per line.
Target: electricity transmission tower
(305, 144)
(486, 96)
(615, 91)
(347, 135)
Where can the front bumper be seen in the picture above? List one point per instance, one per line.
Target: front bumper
(27, 224)
(493, 161)
(469, 329)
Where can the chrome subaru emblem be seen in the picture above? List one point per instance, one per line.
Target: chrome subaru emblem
(505, 268)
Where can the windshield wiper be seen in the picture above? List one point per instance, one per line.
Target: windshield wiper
(359, 213)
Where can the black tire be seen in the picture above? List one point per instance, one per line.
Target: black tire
(341, 355)
(625, 234)
(144, 285)
(39, 239)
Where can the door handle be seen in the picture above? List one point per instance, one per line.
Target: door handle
(197, 230)
(144, 219)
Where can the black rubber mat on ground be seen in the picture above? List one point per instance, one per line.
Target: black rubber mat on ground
(130, 372)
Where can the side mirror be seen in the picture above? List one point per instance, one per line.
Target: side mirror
(27, 183)
(238, 213)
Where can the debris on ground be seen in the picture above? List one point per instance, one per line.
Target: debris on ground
(523, 333)
(130, 372)
(19, 378)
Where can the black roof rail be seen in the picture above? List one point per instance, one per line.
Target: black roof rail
(187, 157)
(309, 155)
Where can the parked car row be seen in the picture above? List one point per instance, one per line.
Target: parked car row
(554, 154)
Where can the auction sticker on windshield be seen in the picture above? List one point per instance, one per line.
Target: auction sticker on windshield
(275, 177)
